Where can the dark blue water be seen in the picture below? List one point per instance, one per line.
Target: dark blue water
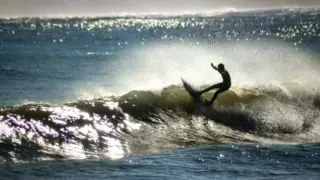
(101, 98)
(203, 162)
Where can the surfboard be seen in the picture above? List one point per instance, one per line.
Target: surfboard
(193, 92)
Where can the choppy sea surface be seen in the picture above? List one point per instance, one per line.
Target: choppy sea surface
(102, 98)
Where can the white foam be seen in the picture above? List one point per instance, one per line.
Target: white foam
(158, 65)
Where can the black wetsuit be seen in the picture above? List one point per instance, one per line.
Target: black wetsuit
(225, 85)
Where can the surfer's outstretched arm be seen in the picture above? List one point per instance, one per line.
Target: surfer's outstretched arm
(214, 67)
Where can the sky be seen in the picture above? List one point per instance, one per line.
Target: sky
(58, 8)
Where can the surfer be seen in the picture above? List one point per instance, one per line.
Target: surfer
(223, 86)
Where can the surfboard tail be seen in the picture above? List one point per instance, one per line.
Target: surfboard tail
(192, 91)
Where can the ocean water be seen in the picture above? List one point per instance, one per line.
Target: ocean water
(102, 98)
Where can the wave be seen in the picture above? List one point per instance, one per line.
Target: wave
(149, 121)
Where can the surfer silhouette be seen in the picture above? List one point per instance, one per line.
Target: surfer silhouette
(223, 86)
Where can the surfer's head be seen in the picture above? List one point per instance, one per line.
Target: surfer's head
(220, 67)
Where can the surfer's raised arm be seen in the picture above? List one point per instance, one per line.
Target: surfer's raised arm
(214, 67)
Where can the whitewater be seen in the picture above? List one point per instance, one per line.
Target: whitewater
(87, 93)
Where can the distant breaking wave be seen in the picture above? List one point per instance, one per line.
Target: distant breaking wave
(207, 13)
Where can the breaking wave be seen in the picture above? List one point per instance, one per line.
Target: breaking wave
(153, 121)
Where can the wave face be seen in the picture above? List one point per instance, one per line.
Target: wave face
(145, 121)
(110, 87)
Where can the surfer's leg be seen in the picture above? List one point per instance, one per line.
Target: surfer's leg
(216, 94)
(219, 85)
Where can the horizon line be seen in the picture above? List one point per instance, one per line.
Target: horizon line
(204, 13)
